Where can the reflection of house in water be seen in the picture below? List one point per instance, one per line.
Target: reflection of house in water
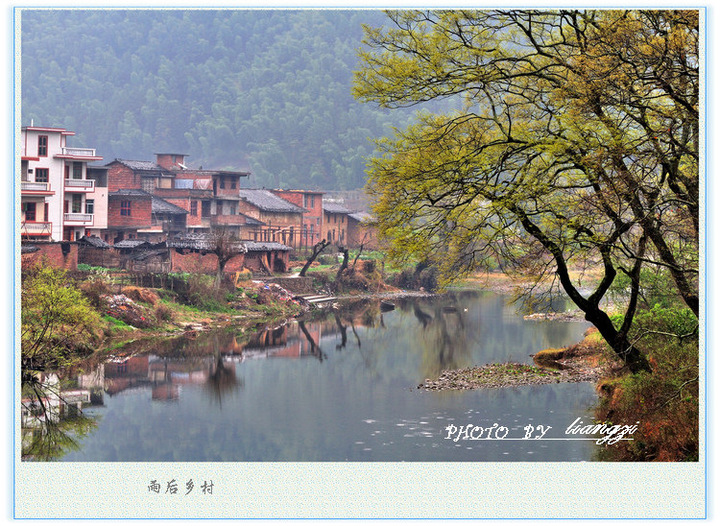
(163, 376)
(55, 405)
(286, 341)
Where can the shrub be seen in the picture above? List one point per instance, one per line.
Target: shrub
(163, 312)
(58, 323)
(94, 288)
(665, 403)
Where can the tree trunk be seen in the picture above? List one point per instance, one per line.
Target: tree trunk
(344, 264)
(618, 341)
(319, 247)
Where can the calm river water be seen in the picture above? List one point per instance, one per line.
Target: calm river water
(340, 387)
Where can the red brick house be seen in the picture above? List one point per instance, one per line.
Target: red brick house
(312, 221)
(210, 197)
(281, 221)
(335, 221)
(361, 231)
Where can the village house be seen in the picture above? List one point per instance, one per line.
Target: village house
(312, 217)
(209, 197)
(58, 199)
(335, 223)
(281, 221)
(361, 231)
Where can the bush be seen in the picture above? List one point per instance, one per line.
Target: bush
(58, 323)
(664, 402)
(423, 276)
(94, 288)
(163, 312)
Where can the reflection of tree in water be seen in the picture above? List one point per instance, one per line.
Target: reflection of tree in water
(222, 379)
(51, 425)
(443, 338)
(315, 349)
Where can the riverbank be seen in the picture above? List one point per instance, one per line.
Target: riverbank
(586, 361)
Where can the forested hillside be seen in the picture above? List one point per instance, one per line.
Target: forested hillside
(264, 90)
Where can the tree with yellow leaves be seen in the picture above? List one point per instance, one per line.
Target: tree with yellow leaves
(577, 146)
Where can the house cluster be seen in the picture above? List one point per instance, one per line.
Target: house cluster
(67, 194)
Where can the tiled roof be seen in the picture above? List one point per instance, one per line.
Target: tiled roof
(130, 192)
(160, 206)
(267, 201)
(199, 241)
(130, 243)
(251, 221)
(361, 217)
(335, 208)
(94, 241)
(258, 246)
(141, 166)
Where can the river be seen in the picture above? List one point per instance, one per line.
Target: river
(339, 385)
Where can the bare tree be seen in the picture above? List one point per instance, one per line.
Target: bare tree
(317, 248)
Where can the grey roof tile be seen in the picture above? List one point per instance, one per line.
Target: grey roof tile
(335, 208)
(141, 166)
(160, 206)
(267, 201)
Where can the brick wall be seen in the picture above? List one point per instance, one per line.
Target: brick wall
(140, 213)
(56, 254)
(122, 177)
(357, 233)
(203, 263)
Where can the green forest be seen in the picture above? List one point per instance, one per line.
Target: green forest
(262, 90)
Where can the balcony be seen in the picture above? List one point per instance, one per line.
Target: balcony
(78, 219)
(31, 228)
(79, 185)
(78, 154)
(31, 188)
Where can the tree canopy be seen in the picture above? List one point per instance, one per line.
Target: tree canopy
(577, 147)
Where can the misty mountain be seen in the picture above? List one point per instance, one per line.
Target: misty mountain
(264, 90)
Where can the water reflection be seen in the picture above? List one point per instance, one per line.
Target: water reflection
(52, 420)
(338, 384)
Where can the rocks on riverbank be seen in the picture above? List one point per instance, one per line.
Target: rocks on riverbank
(586, 361)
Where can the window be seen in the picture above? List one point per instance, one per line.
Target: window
(41, 175)
(29, 210)
(148, 184)
(233, 209)
(77, 170)
(125, 208)
(90, 206)
(76, 204)
(193, 208)
(233, 185)
(222, 182)
(312, 201)
(206, 208)
(305, 201)
(42, 145)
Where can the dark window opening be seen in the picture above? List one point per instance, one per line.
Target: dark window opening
(42, 175)
(29, 209)
(42, 145)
